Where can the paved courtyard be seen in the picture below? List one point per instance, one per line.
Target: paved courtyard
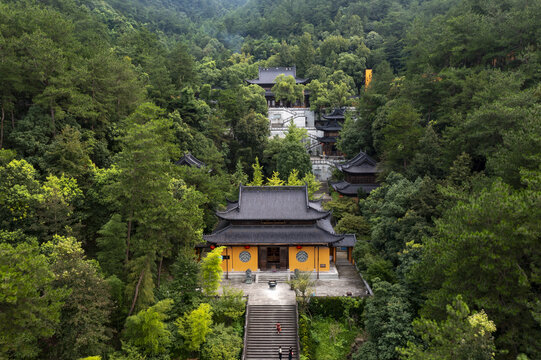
(261, 294)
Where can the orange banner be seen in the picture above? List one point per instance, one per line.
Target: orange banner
(367, 78)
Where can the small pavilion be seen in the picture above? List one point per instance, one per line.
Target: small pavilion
(360, 174)
(189, 160)
(277, 228)
(267, 79)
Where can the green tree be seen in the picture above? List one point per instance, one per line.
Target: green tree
(20, 194)
(55, 213)
(293, 178)
(286, 88)
(112, 246)
(490, 238)
(147, 330)
(355, 135)
(303, 284)
(341, 207)
(293, 155)
(140, 282)
(463, 335)
(305, 54)
(239, 101)
(143, 195)
(388, 322)
(400, 211)
(30, 302)
(196, 326)
(257, 178)
(339, 94)
(184, 288)
(399, 135)
(225, 344)
(319, 95)
(312, 184)
(252, 132)
(82, 330)
(353, 224)
(211, 271)
(275, 180)
(228, 307)
(371, 264)
(239, 176)
(69, 155)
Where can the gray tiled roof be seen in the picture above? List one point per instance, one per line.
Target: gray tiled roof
(325, 224)
(337, 114)
(190, 160)
(273, 203)
(349, 240)
(331, 125)
(269, 75)
(317, 204)
(345, 188)
(360, 164)
(272, 234)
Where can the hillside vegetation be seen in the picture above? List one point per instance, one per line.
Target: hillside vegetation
(98, 98)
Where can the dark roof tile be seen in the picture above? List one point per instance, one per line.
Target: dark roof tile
(337, 114)
(345, 188)
(190, 160)
(273, 203)
(360, 164)
(272, 234)
(269, 75)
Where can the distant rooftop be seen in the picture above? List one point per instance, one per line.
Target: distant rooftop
(190, 160)
(360, 164)
(337, 114)
(330, 125)
(273, 203)
(269, 75)
(345, 188)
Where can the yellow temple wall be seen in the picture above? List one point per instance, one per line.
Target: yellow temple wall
(234, 263)
(310, 264)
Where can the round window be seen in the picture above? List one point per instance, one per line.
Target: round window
(245, 256)
(302, 256)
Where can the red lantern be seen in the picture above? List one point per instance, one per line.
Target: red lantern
(299, 247)
(246, 246)
(212, 247)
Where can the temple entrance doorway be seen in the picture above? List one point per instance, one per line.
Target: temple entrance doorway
(273, 255)
(274, 258)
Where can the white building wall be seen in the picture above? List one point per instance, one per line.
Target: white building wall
(304, 118)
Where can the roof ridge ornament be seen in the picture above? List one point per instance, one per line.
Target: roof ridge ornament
(240, 197)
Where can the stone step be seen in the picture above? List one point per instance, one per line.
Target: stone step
(278, 277)
(262, 341)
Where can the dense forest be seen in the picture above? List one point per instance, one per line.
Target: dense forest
(97, 225)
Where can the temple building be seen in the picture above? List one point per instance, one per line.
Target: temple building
(190, 160)
(360, 174)
(277, 228)
(283, 114)
(267, 79)
(331, 125)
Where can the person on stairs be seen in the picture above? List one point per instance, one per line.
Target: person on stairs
(278, 328)
(290, 357)
(280, 352)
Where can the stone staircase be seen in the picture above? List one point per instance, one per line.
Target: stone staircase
(346, 269)
(279, 276)
(262, 341)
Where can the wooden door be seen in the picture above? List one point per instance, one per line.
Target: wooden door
(273, 255)
(262, 257)
(284, 258)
